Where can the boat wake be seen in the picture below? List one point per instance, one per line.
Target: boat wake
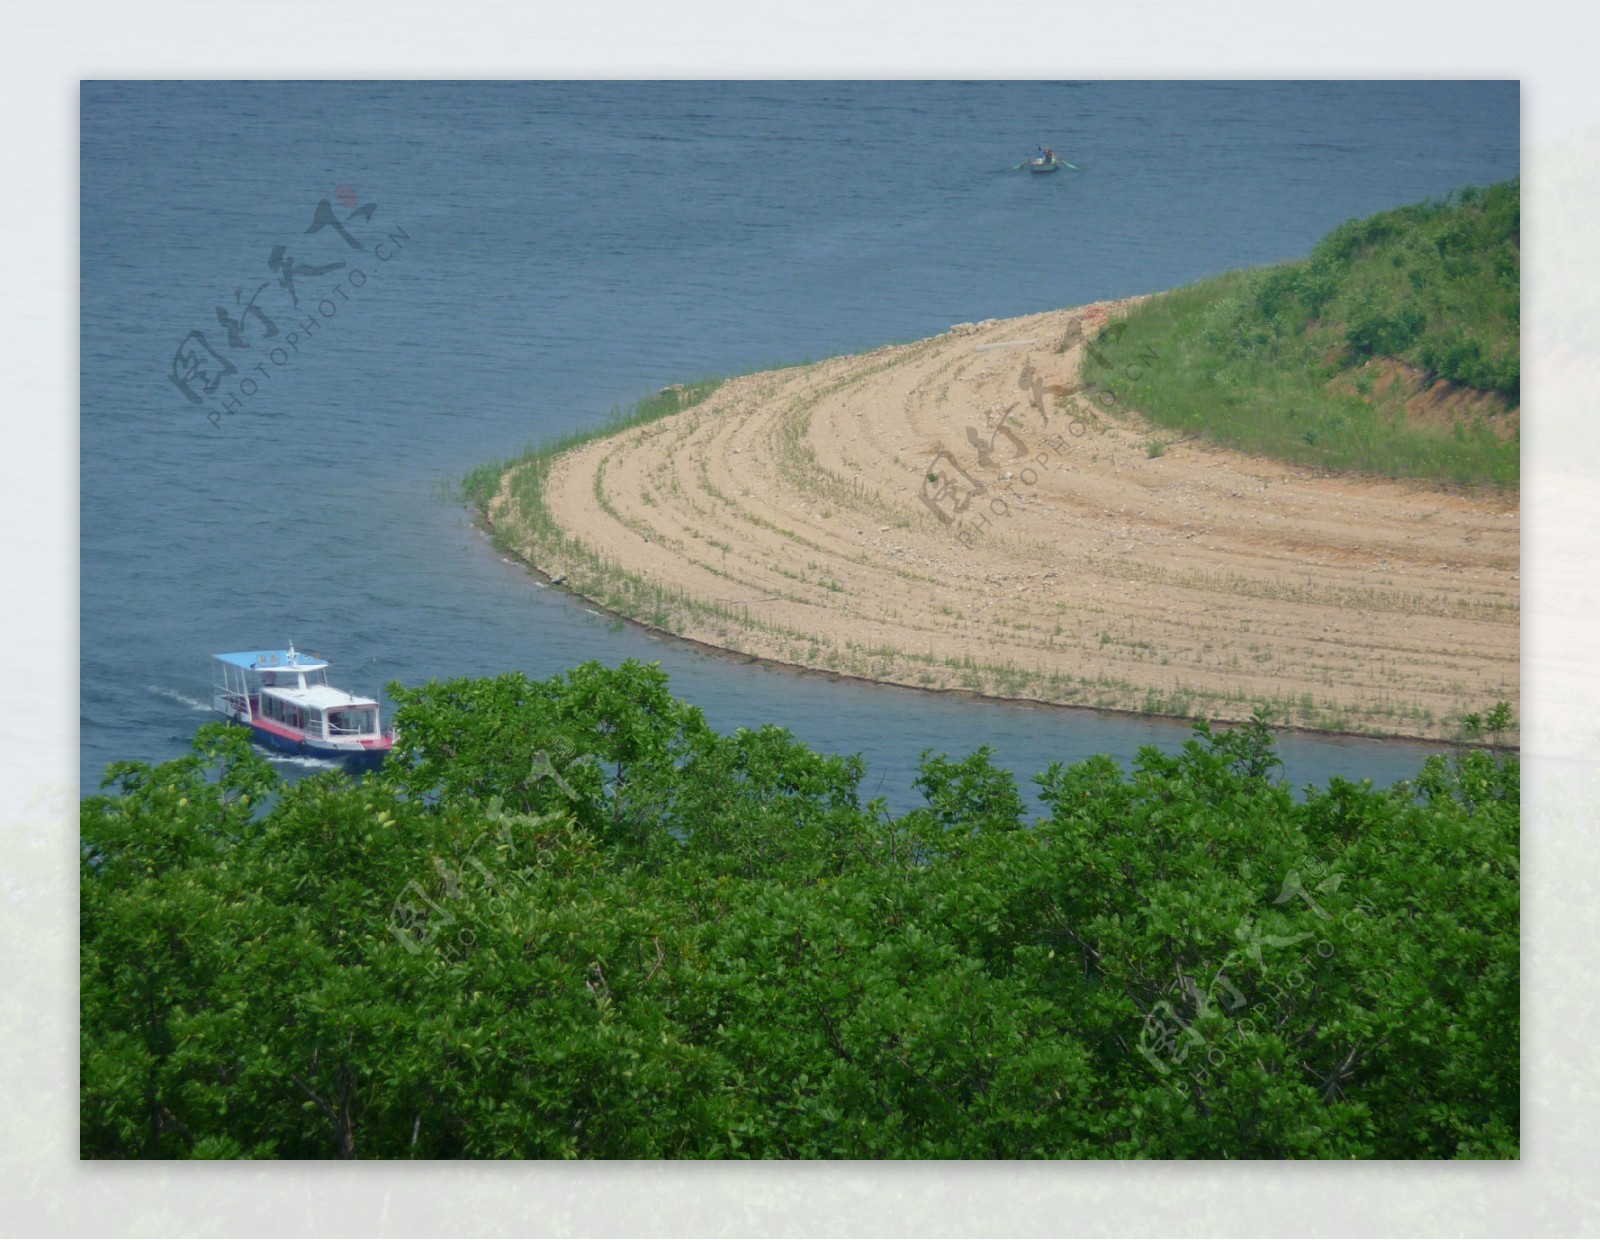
(303, 761)
(180, 698)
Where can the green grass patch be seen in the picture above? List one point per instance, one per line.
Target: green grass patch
(1283, 360)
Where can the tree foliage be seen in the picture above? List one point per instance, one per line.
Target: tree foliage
(571, 920)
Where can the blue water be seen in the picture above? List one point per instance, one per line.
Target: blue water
(541, 253)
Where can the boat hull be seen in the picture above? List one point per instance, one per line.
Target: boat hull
(361, 757)
(1039, 165)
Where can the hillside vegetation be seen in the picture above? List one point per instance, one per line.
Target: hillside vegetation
(571, 920)
(1393, 349)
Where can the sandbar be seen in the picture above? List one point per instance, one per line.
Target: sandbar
(961, 513)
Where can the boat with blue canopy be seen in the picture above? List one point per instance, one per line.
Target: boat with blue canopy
(284, 698)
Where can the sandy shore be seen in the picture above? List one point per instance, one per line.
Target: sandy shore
(958, 514)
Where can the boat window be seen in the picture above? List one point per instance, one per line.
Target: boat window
(352, 722)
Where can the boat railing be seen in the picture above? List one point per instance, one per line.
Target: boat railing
(335, 729)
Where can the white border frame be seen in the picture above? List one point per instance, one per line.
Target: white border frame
(1549, 47)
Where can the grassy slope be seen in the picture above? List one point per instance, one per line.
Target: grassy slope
(1285, 360)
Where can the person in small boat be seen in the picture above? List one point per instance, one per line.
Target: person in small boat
(1039, 154)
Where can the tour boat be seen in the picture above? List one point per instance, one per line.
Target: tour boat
(283, 696)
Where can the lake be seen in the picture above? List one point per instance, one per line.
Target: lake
(493, 264)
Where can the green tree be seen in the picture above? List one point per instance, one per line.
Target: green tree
(664, 942)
